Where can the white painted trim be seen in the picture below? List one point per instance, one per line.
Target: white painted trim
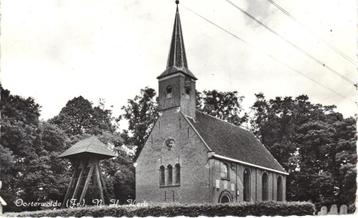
(178, 73)
(249, 164)
(197, 133)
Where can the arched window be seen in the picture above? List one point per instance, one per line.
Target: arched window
(224, 171)
(161, 175)
(247, 184)
(225, 197)
(177, 174)
(279, 188)
(264, 187)
(187, 92)
(169, 91)
(170, 174)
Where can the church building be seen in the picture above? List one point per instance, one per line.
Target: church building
(192, 157)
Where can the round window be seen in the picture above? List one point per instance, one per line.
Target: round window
(170, 143)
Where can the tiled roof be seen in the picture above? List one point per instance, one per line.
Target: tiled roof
(233, 142)
(89, 145)
(177, 58)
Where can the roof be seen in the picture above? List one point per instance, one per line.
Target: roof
(177, 62)
(89, 145)
(233, 142)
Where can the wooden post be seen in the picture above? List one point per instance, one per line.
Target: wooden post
(89, 175)
(70, 187)
(104, 186)
(79, 180)
(98, 178)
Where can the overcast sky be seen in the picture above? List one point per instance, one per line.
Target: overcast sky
(54, 50)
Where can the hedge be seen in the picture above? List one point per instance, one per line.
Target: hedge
(192, 210)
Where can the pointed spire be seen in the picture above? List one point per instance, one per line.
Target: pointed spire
(177, 58)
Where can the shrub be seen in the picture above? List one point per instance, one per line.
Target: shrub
(192, 210)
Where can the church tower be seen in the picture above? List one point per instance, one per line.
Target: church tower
(177, 83)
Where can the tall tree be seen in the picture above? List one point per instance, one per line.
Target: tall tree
(32, 168)
(141, 113)
(309, 140)
(79, 117)
(223, 105)
(19, 119)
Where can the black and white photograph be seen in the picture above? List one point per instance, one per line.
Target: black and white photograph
(178, 108)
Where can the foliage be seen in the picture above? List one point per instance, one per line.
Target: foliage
(79, 117)
(31, 170)
(223, 105)
(315, 144)
(141, 113)
(6, 160)
(192, 210)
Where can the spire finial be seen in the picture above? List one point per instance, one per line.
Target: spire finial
(177, 57)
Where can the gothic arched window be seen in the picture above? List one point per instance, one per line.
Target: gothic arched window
(170, 174)
(161, 175)
(247, 185)
(264, 187)
(169, 92)
(279, 188)
(177, 174)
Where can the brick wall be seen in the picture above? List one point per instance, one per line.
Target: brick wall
(189, 152)
(236, 182)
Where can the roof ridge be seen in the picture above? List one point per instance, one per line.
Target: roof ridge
(195, 130)
(240, 127)
(88, 146)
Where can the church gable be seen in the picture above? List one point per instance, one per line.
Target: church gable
(173, 144)
(172, 125)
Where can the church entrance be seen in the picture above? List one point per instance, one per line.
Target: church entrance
(225, 198)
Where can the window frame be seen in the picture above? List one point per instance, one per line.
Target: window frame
(177, 170)
(227, 174)
(169, 91)
(264, 187)
(246, 185)
(279, 191)
(161, 175)
(170, 175)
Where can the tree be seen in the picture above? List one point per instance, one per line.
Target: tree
(79, 117)
(50, 174)
(18, 131)
(315, 145)
(30, 149)
(6, 170)
(223, 105)
(141, 113)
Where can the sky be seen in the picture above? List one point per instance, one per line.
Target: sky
(55, 50)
